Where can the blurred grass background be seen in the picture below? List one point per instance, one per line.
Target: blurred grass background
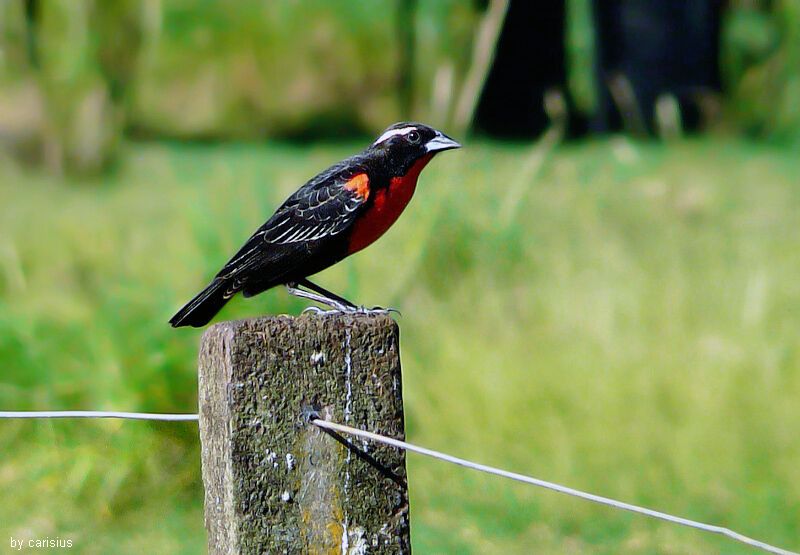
(624, 319)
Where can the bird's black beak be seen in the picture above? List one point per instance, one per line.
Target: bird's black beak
(441, 142)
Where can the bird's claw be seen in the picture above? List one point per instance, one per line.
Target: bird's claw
(377, 310)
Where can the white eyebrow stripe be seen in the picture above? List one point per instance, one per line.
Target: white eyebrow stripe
(392, 132)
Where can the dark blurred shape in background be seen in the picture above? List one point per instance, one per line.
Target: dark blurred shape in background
(530, 60)
(77, 76)
(656, 60)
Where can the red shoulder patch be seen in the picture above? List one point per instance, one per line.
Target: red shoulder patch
(359, 185)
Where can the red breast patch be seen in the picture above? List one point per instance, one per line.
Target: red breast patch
(386, 207)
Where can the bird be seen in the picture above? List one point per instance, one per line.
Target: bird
(335, 214)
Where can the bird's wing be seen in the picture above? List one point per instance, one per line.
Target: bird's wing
(319, 212)
(323, 208)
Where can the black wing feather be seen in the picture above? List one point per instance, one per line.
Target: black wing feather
(320, 209)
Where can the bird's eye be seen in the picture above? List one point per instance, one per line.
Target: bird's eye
(413, 136)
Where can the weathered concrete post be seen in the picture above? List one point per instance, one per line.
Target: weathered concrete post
(275, 483)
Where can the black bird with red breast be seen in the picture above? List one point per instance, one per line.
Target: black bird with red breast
(335, 214)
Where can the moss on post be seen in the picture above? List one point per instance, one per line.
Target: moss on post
(275, 483)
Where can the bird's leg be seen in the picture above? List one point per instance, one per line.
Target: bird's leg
(325, 293)
(323, 296)
(335, 303)
(352, 308)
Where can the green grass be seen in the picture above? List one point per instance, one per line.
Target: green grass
(630, 327)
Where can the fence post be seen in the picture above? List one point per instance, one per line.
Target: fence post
(275, 483)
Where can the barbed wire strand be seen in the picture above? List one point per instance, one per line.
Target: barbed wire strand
(551, 486)
(436, 455)
(98, 414)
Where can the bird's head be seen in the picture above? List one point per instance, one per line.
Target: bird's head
(405, 143)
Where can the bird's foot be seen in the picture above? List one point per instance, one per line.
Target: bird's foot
(344, 309)
(335, 303)
(322, 312)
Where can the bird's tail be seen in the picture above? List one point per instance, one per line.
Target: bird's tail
(200, 310)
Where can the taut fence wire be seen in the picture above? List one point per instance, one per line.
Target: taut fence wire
(328, 425)
(99, 414)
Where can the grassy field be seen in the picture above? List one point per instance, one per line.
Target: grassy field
(625, 320)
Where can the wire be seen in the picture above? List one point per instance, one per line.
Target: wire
(551, 486)
(98, 414)
(436, 455)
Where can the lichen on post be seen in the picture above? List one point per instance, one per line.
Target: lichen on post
(274, 483)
